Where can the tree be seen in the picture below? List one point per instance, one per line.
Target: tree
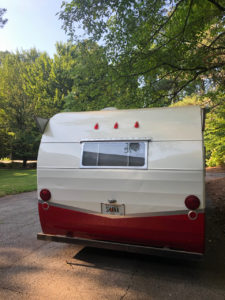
(17, 107)
(171, 47)
(2, 21)
(5, 137)
(31, 84)
(93, 79)
(37, 86)
(215, 132)
(90, 74)
(48, 81)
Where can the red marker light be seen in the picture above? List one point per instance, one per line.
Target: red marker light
(96, 126)
(116, 125)
(192, 202)
(136, 125)
(45, 194)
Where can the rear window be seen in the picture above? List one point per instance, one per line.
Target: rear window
(129, 154)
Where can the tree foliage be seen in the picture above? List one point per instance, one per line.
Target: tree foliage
(215, 133)
(94, 84)
(30, 85)
(90, 77)
(172, 47)
(2, 20)
(17, 107)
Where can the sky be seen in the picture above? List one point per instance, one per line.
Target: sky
(31, 23)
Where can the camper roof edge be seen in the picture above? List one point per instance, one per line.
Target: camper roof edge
(158, 124)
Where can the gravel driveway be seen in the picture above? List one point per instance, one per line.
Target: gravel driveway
(32, 269)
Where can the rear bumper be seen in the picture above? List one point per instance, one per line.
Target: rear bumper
(163, 252)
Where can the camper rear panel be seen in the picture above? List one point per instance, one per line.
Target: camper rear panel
(124, 183)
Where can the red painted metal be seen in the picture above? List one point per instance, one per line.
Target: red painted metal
(45, 205)
(173, 231)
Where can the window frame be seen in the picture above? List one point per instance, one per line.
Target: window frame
(144, 167)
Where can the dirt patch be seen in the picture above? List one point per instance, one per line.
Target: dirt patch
(215, 189)
(215, 169)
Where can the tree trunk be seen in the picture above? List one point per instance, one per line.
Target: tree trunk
(24, 163)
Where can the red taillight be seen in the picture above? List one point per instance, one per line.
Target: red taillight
(192, 202)
(96, 126)
(45, 194)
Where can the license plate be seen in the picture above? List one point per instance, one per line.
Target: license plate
(113, 209)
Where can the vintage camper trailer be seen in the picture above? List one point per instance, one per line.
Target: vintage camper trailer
(124, 179)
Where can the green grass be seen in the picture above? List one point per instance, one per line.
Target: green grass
(17, 181)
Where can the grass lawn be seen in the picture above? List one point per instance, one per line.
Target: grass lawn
(17, 181)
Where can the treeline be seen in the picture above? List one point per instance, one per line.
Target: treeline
(136, 54)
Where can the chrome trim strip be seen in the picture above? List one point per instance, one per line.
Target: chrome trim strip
(149, 169)
(136, 215)
(130, 139)
(119, 139)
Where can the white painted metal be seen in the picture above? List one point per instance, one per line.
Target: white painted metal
(175, 160)
(157, 124)
(182, 155)
(141, 191)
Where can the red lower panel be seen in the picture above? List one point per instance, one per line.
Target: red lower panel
(172, 231)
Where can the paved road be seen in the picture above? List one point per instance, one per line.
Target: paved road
(32, 269)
